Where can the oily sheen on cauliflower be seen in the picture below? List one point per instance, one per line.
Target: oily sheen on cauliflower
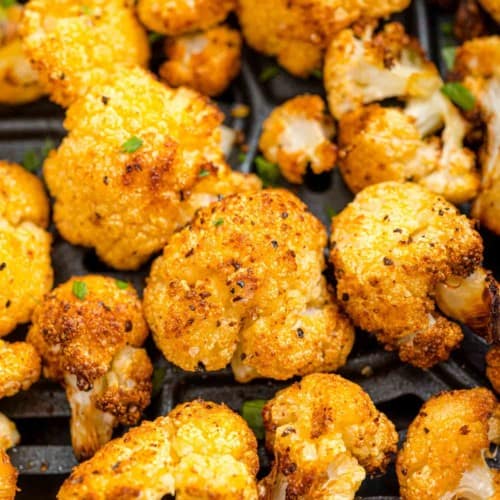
(200, 450)
(73, 44)
(206, 61)
(297, 32)
(25, 268)
(139, 160)
(446, 446)
(89, 331)
(395, 248)
(325, 434)
(298, 134)
(243, 283)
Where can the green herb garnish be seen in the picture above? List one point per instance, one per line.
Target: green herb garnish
(458, 94)
(33, 159)
(448, 54)
(132, 145)
(80, 289)
(203, 173)
(267, 171)
(218, 222)
(317, 73)
(122, 285)
(251, 411)
(268, 73)
(446, 28)
(154, 36)
(242, 157)
(331, 212)
(158, 379)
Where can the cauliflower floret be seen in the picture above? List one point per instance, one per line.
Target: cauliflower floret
(297, 32)
(200, 450)
(391, 247)
(244, 282)
(19, 83)
(206, 61)
(88, 331)
(492, 7)
(324, 432)
(73, 44)
(8, 477)
(444, 453)
(388, 144)
(178, 17)
(127, 204)
(298, 134)
(362, 67)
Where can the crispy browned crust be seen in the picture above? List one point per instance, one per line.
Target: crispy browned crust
(493, 367)
(8, 477)
(470, 21)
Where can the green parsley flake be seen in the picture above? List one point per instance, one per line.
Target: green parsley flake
(218, 222)
(242, 157)
(458, 94)
(267, 171)
(331, 212)
(33, 159)
(448, 54)
(268, 73)
(251, 411)
(122, 285)
(80, 289)
(154, 37)
(317, 73)
(132, 145)
(203, 173)
(158, 380)
(446, 28)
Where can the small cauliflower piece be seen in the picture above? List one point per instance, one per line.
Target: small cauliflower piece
(74, 44)
(243, 282)
(492, 7)
(88, 332)
(9, 435)
(206, 61)
(8, 477)
(126, 200)
(446, 445)
(325, 434)
(391, 248)
(200, 450)
(298, 134)
(297, 32)
(362, 66)
(493, 367)
(19, 83)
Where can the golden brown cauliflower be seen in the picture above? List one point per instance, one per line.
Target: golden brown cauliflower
(297, 32)
(19, 83)
(243, 283)
(298, 134)
(325, 433)
(8, 477)
(75, 43)
(391, 248)
(493, 8)
(9, 435)
(206, 61)
(493, 367)
(378, 144)
(88, 332)
(446, 445)
(362, 66)
(200, 450)
(178, 17)
(139, 160)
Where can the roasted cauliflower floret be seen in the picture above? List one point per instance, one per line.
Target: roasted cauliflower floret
(139, 160)
(200, 450)
(73, 44)
(362, 66)
(446, 445)
(325, 434)
(88, 332)
(492, 7)
(243, 282)
(8, 477)
(206, 61)
(386, 144)
(391, 248)
(298, 134)
(19, 83)
(178, 17)
(297, 32)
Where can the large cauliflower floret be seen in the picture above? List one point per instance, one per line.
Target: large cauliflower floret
(19, 83)
(243, 282)
(139, 160)
(74, 44)
(298, 31)
(391, 248)
(88, 332)
(388, 144)
(201, 450)
(178, 17)
(298, 134)
(206, 61)
(362, 66)
(446, 445)
(325, 434)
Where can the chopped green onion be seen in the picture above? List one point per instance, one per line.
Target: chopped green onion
(448, 54)
(251, 411)
(154, 36)
(218, 222)
(132, 145)
(242, 157)
(331, 212)
(122, 285)
(457, 93)
(80, 289)
(203, 173)
(47, 147)
(317, 73)
(158, 380)
(267, 171)
(268, 73)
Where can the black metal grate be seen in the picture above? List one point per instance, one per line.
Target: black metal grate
(45, 456)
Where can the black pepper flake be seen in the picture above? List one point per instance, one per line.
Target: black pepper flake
(426, 430)
(300, 333)
(386, 218)
(105, 179)
(189, 253)
(3, 265)
(345, 297)
(200, 367)
(191, 307)
(289, 469)
(388, 262)
(274, 243)
(232, 290)
(128, 325)
(284, 215)
(243, 356)
(398, 230)
(441, 213)
(7, 304)
(105, 100)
